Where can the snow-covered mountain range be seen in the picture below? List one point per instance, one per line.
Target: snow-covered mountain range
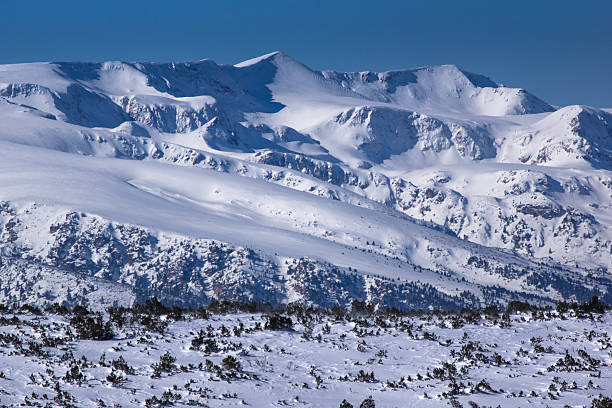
(270, 181)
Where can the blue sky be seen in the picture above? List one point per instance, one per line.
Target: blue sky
(560, 50)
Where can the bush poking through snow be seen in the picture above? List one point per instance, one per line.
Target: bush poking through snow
(277, 321)
(231, 363)
(90, 325)
(367, 403)
(115, 378)
(601, 402)
(121, 365)
(165, 365)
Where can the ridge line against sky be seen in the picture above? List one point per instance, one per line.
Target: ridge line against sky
(559, 50)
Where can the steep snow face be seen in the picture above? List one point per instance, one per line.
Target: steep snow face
(375, 133)
(77, 105)
(442, 88)
(574, 135)
(417, 175)
(169, 115)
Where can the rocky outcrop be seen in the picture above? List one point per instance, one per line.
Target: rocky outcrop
(381, 132)
(74, 257)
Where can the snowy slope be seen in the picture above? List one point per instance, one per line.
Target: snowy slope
(434, 178)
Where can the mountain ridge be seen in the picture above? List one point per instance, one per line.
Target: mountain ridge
(400, 174)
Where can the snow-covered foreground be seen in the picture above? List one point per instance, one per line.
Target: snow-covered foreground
(162, 357)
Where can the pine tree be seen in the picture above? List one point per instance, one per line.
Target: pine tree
(368, 403)
(346, 404)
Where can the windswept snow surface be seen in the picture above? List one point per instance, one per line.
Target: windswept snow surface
(433, 177)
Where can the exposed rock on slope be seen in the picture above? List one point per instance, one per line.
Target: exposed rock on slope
(77, 256)
(431, 171)
(572, 135)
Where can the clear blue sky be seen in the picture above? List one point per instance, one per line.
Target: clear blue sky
(560, 50)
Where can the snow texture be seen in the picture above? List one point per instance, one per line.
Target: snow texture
(536, 359)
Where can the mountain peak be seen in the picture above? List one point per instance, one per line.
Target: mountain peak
(272, 56)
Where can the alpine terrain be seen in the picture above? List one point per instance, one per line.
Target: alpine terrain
(267, 181)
